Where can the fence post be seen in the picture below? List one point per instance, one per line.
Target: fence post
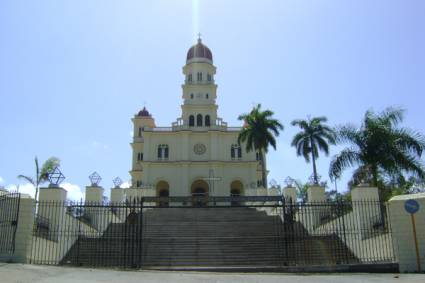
(366, 208)
(24, 230)
(290, 193)
(93, 203)
(403, 232)
(51, 206)
(316, 203)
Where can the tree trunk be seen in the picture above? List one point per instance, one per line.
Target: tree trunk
(263, 169)
(375, 175)
(313, 159)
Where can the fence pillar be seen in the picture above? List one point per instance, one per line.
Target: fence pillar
(24, 229)
(51, 206)
(93, 203)
(290, 193)
(117, 195)
(317, 209)
(366, 208)
(402, 232)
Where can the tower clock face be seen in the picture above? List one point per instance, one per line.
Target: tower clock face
(199, 149)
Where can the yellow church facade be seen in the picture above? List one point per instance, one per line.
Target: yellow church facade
(198, 155)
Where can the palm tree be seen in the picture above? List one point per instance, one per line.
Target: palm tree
(314, 136)
(379, 148)
(259, 132)
(41, 176)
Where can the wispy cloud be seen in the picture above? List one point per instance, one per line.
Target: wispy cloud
(125, 185)
(1, 180)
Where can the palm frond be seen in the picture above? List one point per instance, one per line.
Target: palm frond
(28, 179)
(348, 157)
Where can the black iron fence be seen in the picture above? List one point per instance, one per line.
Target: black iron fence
(211, 231)
(9, 209)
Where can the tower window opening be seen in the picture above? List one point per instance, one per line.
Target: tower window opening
(207, 121)
(199, 120)
(140, 156)
(191, 121)
(191, 96)
(199, 76)
(207, 96)
(140, 131)
(189, 78)
(209, 77)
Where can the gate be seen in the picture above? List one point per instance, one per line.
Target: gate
(9, 209)
(236, 231)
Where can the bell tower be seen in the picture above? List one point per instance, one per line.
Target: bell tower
(199, 109)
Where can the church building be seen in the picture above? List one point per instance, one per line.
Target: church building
(199, 154)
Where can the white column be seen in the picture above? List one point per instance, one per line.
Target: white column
(24, 231)
(402, 232)
(52, 207)
(93, 206)
(290, 193)
(316, 209)
(366, 208)
(117, 195)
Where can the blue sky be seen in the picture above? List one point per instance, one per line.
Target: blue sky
(73, 73)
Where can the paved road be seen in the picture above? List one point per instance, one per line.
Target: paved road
(19, 273)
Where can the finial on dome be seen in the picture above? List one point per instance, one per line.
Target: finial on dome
(199, 37)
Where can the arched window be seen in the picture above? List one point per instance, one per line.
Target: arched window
(163, 151)
(207, 121)
(199, 120)
(207, 96)
(140, 131)
(191, 121)
(191, 96)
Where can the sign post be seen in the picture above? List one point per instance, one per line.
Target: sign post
(412, 206)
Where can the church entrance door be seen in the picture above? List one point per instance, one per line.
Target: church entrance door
(200, 191)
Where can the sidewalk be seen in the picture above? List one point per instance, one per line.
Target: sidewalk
(20, 273)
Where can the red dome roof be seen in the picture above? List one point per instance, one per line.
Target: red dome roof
(144, 113)
(199, 51)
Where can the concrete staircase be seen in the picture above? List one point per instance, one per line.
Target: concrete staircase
(225, 237)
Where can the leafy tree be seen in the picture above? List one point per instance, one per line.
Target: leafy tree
(259, 133)
(41, 175)
(314, 136)
(379, 149)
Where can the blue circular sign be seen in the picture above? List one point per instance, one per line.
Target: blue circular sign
(411, 206)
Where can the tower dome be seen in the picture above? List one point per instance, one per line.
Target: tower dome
(198, 53)
(144, 113)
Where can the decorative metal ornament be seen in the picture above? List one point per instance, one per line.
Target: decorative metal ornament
(289, 182)
(117, 182)
(55, 176)
(313, 181)
(95, 179)
(199, 149)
